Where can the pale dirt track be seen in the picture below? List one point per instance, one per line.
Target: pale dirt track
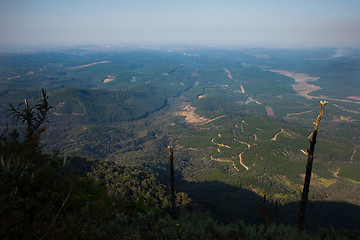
(225, 160)
(219, 144)
(276, 135)
(88, 65)
(347, 110)
(211, 120)
(250, 99)
(240, 155)
(297, 114)
(354, 98)
(352, 156)
(242, 89)
(229, 160)
(336, 173)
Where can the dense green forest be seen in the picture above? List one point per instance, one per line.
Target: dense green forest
(239, 125)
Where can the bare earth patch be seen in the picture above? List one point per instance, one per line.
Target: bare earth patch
(109, 79)
(190, 115)
(250, 99)
(242, 89)
(13, 77)
(269, 111)
(336, 173)
(301, 86)
(228, 73)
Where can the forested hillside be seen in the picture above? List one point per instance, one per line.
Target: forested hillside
(49, 197)
(239, 121)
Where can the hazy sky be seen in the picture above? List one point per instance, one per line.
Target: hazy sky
(216, 22)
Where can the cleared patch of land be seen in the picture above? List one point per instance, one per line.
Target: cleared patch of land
(242, 89)
(190, 116)
(13, 77)
(109, 79)
(336, 173)
(269, 111)
(228, 73)
(302, 86)
(250, 99)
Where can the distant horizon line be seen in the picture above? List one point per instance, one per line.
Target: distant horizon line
(49, 47)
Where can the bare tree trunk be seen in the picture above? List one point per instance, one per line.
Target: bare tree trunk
(310, 154)
(172, 185)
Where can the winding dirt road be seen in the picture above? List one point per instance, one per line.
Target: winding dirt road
(240, 155)
(219, 144)
(225, 160)
(274, 138)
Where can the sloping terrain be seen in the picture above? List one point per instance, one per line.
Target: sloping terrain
(233, 119)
